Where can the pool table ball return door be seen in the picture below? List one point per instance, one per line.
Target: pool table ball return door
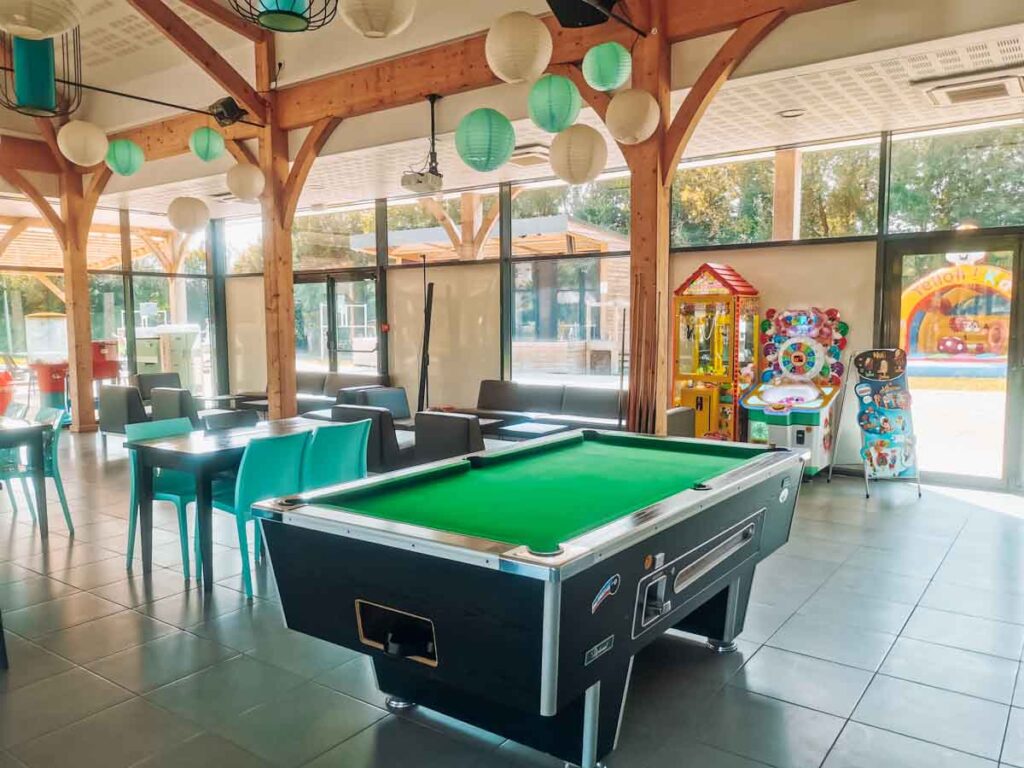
(535, 647)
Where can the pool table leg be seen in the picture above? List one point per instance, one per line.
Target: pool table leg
(721, 618)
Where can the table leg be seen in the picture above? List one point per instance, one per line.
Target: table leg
(145, 502)
(204, 524)
(36, 461)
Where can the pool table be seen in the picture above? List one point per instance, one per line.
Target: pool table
(511, 589)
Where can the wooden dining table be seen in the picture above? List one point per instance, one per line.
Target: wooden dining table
(204, 455)
(31, 435)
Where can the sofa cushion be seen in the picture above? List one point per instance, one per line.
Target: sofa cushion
(588, 401)
(497, 396)
(310, 382)
(392, 398)
(542, 398)
(312, 402)
(335, 381)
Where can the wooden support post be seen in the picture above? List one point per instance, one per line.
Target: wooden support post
(77, 217)
(786, 202)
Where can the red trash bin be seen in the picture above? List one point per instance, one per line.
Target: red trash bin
(6, 390)
(52, 378)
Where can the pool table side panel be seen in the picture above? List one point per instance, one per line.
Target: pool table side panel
(320, 577)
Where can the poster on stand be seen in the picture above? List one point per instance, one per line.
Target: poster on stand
(884, 414)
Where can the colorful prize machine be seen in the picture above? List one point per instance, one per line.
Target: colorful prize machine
(715, 312)
(797, 404)
(46, 342)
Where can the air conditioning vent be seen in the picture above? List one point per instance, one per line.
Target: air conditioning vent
(530, 155)
(973, 87)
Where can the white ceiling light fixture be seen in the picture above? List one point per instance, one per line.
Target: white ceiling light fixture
(791, 114)
(246, 182)
(633, 116)
(518, 47)
(82, 143)
(578, 154)
(188, 215)
(378, 18)
(38, 19)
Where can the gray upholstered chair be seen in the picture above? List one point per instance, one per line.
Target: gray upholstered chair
(442, 435)
(147, 382)
(392, 398)
(171, 403)
(219, 420)
(119, 406)
(384, 451)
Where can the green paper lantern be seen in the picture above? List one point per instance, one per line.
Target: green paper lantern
(124, 157)
(206, 144)
(843, 328)
(284, 15)
(485, 139)
(35, 84)
(555, 103)
(607, 66)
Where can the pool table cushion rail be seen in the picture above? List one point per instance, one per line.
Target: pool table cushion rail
(314, 512)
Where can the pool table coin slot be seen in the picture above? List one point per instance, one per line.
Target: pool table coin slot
(396, 633)
(685, 577)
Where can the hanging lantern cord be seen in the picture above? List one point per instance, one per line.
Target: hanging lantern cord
(133, 97)
(596, 5)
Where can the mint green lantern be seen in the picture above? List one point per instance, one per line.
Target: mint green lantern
(485, 139)
(206, 144)
(284, 15)
(35, 84)
(554, 103)
(607, 67)
(124, 157)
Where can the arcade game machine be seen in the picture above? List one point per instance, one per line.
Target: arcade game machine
(715, 348)
(797, 403)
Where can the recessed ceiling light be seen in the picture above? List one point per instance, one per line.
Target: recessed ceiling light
(791, 114)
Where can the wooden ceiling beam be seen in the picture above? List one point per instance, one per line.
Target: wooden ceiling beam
(192, 44)
(12, 234)
(307, 155)
(219, 13)
(27, 155)
(696, 18)
(241, 152)
(168, 138)
(27, 188)
(49, 134)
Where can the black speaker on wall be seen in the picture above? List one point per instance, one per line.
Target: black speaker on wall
(576, 13)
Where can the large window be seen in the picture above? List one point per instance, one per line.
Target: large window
(570, 320)
(839, 190)
(723, 202)
(336, 239)
(459, 226)
(552, 218)
(955, 178)
(243, 239)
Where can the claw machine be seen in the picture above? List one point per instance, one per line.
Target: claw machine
(715, 317)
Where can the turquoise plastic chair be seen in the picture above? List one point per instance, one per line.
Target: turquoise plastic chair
(335, 454)
(9, 457)
(14, 468)
(179, 488)
(271, 467)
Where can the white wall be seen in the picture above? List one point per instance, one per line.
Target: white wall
(247, 334)
(465, 340)
(841, 275)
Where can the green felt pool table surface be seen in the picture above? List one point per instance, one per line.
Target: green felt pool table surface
(543, 496)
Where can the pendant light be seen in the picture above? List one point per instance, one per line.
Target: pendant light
(43, 78)
(38, 19)
(287, 15)
(206, 144)
(607, 66)
(188, 215)
(485, 139)
(378, 18)
(633, 116)
(82, 143)
(578, 154)
(125, 157)
(518, 47)
(246, 182)
(554, 103)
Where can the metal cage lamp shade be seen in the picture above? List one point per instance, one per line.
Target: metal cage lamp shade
(287, 15)
(41, 78)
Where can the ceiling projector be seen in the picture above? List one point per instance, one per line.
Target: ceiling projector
(422, 183)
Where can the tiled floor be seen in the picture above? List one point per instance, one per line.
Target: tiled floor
(887, 633)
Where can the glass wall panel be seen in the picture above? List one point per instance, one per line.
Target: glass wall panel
(243, 240)
(32, 327)
(172, 328)
(461, 226)
(552, 218)
(311, 327)
(247, 333)
(335, 240)
(723, 203)
(839, 190)
(106, 308)
(961, 178)
(355, 303)
(570, 320)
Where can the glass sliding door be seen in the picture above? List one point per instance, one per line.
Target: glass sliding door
(312, 327)
(336, 323)
(953, 305)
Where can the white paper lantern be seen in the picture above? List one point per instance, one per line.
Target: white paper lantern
(188, 214)
(246, 182)
(82, 143)
(633, 116)
(518, 47)
(38, 19)
(578, 154)
(377, 18)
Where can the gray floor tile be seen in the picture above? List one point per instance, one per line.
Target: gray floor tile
(92, 575)
(997, 638)
(225, 690)
(143, 588)
(10, 572)
(296, 728)
(356, 679)
(1013, 746)
(117, 737)
(8, 761)
(857, 611)
(797, 569)
(921, 562)
(194, 606)
(241, 628)
(206, 750)
(861, 746)
(160, 662)
(299, 654)
(58, 614)
(817, 549)
(953, 669)
(973, 601)
(53, 703)
(32, 590)
(772, 731)
(876, 584)
(763, 621)
(102, 637)
(670, 752)
(28, 664)
(833, 642)
(803, 680)
(395, 741)
(942, 717)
